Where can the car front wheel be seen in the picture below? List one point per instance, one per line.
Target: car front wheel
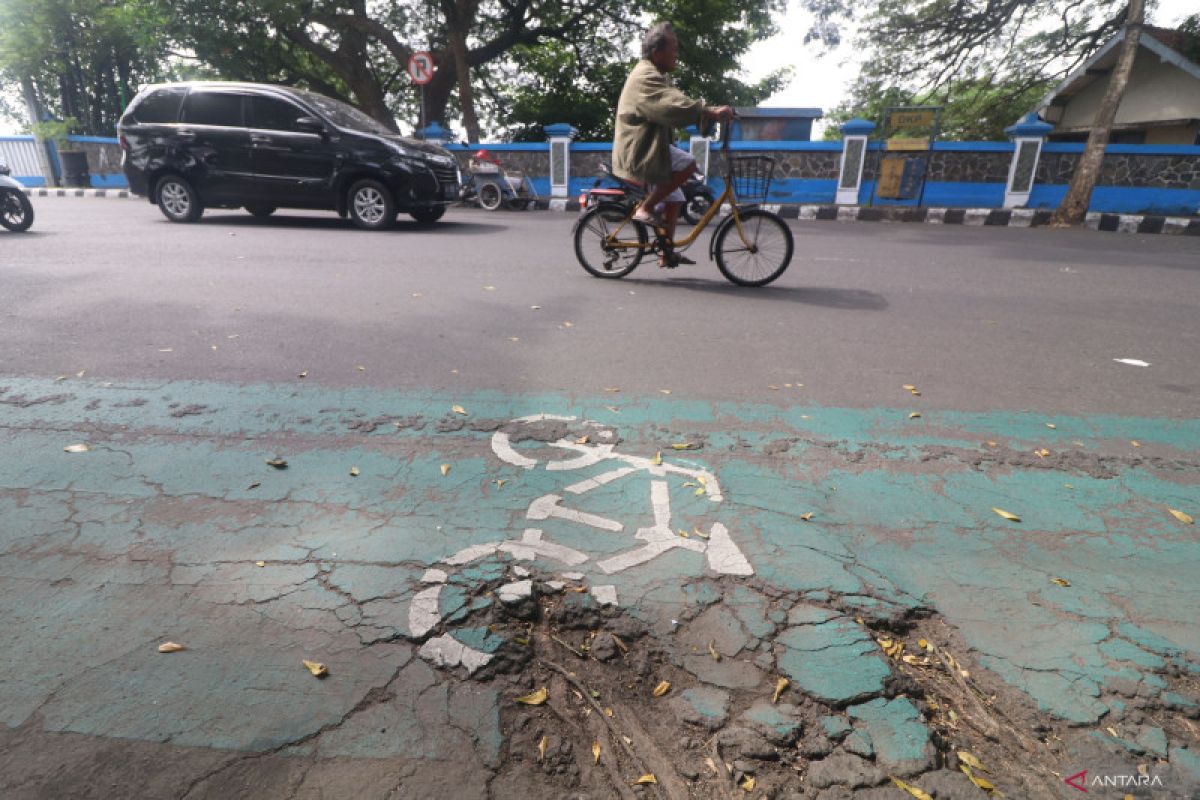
(177, 199)
(371, 205)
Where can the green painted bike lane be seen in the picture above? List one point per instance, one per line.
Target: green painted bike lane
(787, 525)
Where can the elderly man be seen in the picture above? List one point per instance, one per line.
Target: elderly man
(648, 112)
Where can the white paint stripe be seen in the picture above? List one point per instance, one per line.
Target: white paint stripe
(470, 554)
(660, 500)
(502, 448)
(605, 595)
(548, 506)
(527, 551)
(723, 555)
(587, 456)
(425, 611)
(600, 480)
(434, 576)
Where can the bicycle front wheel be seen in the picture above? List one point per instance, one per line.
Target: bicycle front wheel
(759, 253)
(594, 242)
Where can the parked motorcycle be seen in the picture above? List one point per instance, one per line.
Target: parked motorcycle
(697, 195)
(489, 185)
(16, 212)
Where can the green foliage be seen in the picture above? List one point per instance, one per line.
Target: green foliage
(85, 58)
(56, 130)
(987, 61)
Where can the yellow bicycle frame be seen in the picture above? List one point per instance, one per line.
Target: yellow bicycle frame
(625, 244)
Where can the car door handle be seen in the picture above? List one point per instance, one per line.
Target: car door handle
(186, 136)
(258, 138)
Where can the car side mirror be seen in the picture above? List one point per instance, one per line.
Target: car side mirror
(310, 125)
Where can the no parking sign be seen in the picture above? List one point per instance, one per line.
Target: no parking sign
(420, 67)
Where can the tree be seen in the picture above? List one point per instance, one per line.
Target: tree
(526, 55)
(1073, 208)
(83, 58)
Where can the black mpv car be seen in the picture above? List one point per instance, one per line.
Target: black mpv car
(224, 145)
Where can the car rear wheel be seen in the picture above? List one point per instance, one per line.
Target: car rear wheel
(371, 205)
(177, 200)
(260, 211)
(427, 216)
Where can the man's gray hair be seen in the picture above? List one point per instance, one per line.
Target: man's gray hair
(656, 38)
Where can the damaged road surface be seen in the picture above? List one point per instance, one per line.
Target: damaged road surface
(412, 596)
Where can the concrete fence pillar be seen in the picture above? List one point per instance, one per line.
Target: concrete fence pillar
(699, 146)
(855, 134)
(560, 136)
(1028, 136)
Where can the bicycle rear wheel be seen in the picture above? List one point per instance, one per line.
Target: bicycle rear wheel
(762, 257)
(595, 254)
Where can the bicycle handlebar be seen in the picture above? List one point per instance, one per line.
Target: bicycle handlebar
(726, 129)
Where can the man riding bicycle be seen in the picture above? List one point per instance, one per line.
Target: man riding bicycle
(649, 110)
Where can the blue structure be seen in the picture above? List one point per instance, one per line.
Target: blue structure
(774, 124)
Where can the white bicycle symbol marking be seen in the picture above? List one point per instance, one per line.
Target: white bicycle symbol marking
(721, 553)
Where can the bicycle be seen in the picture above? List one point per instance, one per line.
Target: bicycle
(752, 246)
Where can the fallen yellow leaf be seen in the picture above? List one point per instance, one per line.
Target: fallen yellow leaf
(703, 481)
(699, 492)
(277, 463)
(683, 533)
(608, 712)
(806, 516)
(665, 391)
(748, 783)
(1061, 581)
(459, 410)
(595, 752)
(1051, 425)
(316, 668)
(535, 698)
(923, 644)
(1182, 517)
(1135, 443)
(1042, 453)
(500, 482)
(713, 651)
(354, 472)
(260, 563)
(612, 389)
(682, 446)
(303, 374)
(657, 460)
(908, 387)
(445, 469)
(913, 790)
(697, 532)
(542, 748)
(986, 785)
(971, 761)
(581, 440)
(780, 686)
(170, 647)
(662, 688)
(647, 778)
(76, 448)
(914, 415)
(1007, 515)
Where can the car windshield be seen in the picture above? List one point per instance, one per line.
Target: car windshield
(342, 114)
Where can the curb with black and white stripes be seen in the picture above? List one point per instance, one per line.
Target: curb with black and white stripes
(78, 193)
(992, 217)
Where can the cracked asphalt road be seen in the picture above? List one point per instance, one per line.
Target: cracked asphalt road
(804, 517)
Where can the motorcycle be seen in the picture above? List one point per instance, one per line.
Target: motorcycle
(16, 212)
(697, 195)
(490, 186)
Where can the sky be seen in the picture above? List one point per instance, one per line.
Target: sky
(822, 81)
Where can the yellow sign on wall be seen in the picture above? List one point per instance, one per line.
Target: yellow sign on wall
(911, 119)
(907, 144)
(890, 175)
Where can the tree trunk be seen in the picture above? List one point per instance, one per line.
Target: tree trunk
(459, 15)
(1074, 206)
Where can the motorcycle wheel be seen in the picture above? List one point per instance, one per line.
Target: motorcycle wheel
(696, 206)
(489, 196)
(16, 212)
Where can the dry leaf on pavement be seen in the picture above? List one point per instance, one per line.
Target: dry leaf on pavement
(647, 778)
(913, 790)
(170, 647)
(595, 752)
(354, 472)
(1186, 519)
(76, 448)
(542, 748)
(662, 688)
(277, 463)
(445, 469)
(459, 410)
(535, 698)
(316, 668)
(780, 686)
(1007, 515)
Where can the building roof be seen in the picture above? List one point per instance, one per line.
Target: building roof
(1163, 42)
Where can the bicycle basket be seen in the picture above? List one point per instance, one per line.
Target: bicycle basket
(752, 177)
